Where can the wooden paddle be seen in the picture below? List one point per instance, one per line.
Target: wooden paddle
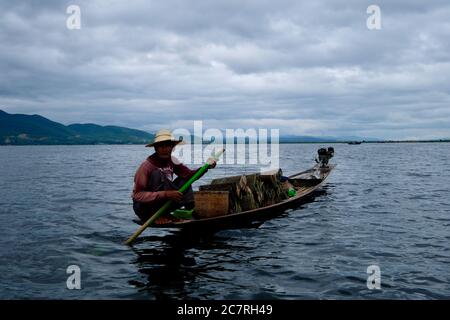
(163, 209)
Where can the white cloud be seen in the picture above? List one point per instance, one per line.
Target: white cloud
(303, 67)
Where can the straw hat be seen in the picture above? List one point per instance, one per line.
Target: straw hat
(164, 135)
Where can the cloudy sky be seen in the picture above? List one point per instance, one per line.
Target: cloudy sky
(307, 68)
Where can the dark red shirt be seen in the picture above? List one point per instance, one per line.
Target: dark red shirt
(153, 162)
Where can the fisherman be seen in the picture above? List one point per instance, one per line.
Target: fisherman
(154, 184)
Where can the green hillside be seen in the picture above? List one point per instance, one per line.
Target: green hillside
(110, 134)
(21, 129)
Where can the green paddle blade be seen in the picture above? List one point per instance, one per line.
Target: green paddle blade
(183, 214)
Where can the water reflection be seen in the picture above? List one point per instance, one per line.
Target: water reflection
(168, 262)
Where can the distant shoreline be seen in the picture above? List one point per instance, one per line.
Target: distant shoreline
(289, 142)
(35, 130)
(383, 141)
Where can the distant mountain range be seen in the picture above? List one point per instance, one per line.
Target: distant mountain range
(304, 139)
(21, 129)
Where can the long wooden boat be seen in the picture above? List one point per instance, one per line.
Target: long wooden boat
(305, 183)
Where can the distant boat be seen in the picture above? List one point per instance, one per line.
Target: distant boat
(355, 142)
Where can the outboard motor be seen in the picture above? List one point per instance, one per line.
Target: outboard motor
(331, 151)
(324, 156)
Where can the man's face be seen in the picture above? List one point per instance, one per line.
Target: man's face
(164, 149)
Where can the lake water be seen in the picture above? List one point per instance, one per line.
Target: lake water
(385, 204)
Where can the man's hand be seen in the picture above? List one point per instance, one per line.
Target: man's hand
(173, 195)
(212, 162)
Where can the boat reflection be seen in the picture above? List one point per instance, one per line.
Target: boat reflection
(168, 262)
